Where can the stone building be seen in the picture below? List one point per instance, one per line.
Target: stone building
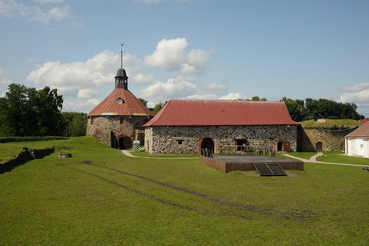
(187, 126)
(119, 118)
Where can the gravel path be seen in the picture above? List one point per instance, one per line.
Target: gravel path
(313, 160)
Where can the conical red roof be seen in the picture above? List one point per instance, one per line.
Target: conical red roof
(112, 105)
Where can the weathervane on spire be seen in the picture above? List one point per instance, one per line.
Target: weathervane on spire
(121, 56)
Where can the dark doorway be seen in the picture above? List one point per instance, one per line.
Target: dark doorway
(125, 143)
(241, 144)
(280, 146)
(114, 141)
(286, 146)
(208, 143)
(319, 146)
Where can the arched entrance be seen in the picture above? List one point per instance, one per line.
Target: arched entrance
(125, 143)
(319, 146)
(207, 143)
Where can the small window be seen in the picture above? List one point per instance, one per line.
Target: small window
(92, 121)
(120, 101)
(121, 120)
(179, 141)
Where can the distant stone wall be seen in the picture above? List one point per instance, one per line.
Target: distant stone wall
(28, 139)
(187, 139)
(331, 140)
(110, 128)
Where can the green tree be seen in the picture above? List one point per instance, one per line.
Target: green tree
(255, 98)
(158, 107)
(144, 102)
(30, 112)
(75, 124)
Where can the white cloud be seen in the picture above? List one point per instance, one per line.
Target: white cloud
(356, 88)
(73, 78)
(357, 93)
(80, 107)
(171, 55)
(231, 96)
(4, 77)
(173, 88)
(86, 93)
(360, 96)
(141, 79)
(11, 9)
(69, 78)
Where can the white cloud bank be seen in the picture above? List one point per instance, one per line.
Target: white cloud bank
(11, 9)
(179, 87)
(83, 80)
(171, 55)
(358, 94)
(77, 77)
(4, 79)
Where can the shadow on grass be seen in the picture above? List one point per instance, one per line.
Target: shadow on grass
(24, 157)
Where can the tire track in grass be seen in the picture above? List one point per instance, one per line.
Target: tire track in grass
(250, 208)
(207, 212)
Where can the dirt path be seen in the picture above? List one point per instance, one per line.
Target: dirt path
(313, 160)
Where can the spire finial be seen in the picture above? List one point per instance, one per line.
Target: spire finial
(121, 56)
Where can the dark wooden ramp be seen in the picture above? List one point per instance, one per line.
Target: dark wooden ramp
(276, 169)
(263, 169)
(270, 169)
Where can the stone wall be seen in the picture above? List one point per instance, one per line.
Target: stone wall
(109, 129)
(187, 139)
(29, 139)
(331, 140)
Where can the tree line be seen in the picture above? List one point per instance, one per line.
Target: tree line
(30, 112)
(300, 110)
(313, 109)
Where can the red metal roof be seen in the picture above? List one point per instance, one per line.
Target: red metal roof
(182, 112)
(364, 121)
(361, 132)
(130, 106)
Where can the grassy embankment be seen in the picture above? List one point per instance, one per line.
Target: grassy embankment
(101, 197)
(331, 124)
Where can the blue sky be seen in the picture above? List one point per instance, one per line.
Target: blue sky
(188, 49)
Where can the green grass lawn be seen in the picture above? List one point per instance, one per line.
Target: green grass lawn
(338, 157)
(9, 151)
(101, 197)
(331, 124)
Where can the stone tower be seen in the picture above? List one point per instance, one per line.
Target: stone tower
(119, 118)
